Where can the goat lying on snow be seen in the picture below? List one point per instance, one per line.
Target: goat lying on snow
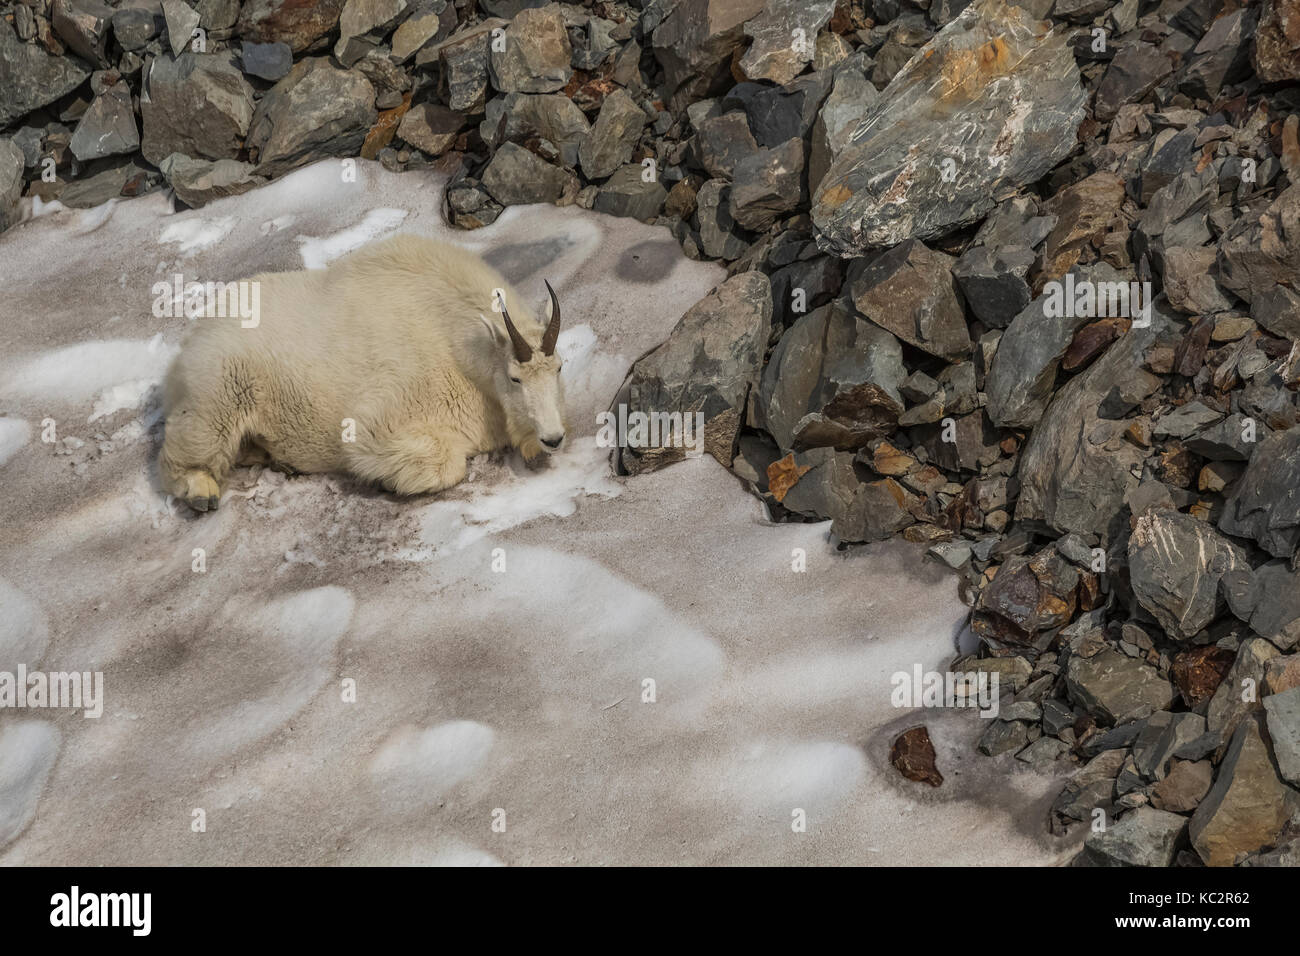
(399, 337)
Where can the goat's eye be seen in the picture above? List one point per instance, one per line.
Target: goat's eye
(515, 380)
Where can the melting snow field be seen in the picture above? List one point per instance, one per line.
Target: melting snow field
(321, 673)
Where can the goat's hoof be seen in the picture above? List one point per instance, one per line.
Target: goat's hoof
(202, 493)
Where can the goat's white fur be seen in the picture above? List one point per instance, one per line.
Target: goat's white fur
(400, 337)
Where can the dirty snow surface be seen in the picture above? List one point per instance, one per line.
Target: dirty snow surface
(499, 638)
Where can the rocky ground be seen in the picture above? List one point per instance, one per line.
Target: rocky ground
(907, 196)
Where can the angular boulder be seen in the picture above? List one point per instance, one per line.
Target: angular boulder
(832, 381)
(709, 363)
(318, 110)
(992, 102)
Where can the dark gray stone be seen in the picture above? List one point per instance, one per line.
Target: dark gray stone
(832, 380)
(197, 104)
(909, 291)
(30, 78)
(267, 61)
(316, 111)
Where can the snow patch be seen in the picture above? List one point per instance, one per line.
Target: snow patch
(118, 397)
(317, 253)
(579, 470)
(195, 235)
(424, 764)
(14, 434)
(24, 632)
(77, 372)
(28, 750)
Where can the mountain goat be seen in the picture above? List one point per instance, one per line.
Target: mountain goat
(392, 365)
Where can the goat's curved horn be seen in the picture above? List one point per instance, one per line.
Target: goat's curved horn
(523, 351)
(552, 330)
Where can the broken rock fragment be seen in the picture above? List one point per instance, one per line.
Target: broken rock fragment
(991, 102)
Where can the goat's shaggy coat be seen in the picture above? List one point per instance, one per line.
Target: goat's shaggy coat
(399, 341)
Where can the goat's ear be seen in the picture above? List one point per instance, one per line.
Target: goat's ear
(498, 336)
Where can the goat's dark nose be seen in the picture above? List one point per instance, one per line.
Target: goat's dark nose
(552, 442)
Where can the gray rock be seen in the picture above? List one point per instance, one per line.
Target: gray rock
(1092, 787)
(430, 128)
(1274, 603)
(694, 43)
(134, 26)
(1185, 786)
(1175, 565)
(613, 136)
(828, 487)
(1142, 837)
(469, 205)
(718, 236)
(197, 104)
(429, 23)
(709, 363)
(517, 117)
(775, 53)
(1259, 252)
(909, 291)
(1116, 687)
(107, 127)
(767, 184)
(364, 23)
(30, 78)
(1184, 420)
(1266, 503)
(1161, 737)
(1021, 379)
(1283, 712)
(463, 66)
(1225, 441)
(510, 8)
(1237, 696)
(779, 113)
(11, 182)
(1057, 716)
(288, 21)
(1068, 481)
(516, 176)
(1003, 736)
(1133, 73)
(597, 44)
(844, 108)
(267, 61)
(182, 20)
(316, 111)
(629, 193)
(1190, 284)
(1246, 808)
(537, 53)
(991, 93)
(107, 182)
(85, 26)
(832, 380)
(992, 281)
(198, 182)
(723, 141)
(217, 14)
(1222, 56)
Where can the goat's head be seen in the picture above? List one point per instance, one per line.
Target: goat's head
(528, 376)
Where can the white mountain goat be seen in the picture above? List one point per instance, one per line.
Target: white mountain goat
(391, 365)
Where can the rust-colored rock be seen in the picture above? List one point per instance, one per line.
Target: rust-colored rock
(784, 474)
(1198, 672)
(913, 756)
